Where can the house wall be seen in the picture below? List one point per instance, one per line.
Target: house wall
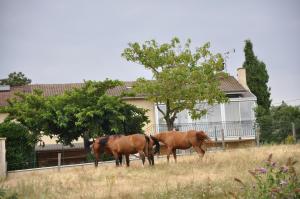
(142, 103)
(2, 158)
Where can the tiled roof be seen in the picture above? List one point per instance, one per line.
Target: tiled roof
(228, 85)
(55, 89)
(4, 95)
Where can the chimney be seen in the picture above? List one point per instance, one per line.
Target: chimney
(241, 77)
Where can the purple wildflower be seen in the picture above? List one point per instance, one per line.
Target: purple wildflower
(261, 170)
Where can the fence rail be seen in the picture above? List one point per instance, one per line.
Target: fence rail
(213, 129)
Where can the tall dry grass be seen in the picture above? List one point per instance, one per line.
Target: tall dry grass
(191, 177)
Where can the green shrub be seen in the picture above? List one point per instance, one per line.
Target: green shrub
(276, 124)
(272, 181)
(19, 145)
(289, 140)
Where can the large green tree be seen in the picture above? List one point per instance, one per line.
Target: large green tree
(82, 112)
(257, 76)
(181, 78)
(89, 112)
(16, 79)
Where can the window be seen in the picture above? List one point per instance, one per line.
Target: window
(182, 117)
(201, 106)
(232, 111)
(161, 119)
(247, 112)
(214, 113)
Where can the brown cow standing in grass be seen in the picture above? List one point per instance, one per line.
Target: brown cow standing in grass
(119, 145)
(101, 145)
(182, 140)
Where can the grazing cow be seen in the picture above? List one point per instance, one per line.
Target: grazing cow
(118, 145)
(183, 140)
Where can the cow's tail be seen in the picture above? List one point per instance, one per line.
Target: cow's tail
(157, 145)
(146, 150)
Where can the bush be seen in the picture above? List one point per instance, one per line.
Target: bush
(289, 140)
(276, 124)
(19, 146)
(272, 181)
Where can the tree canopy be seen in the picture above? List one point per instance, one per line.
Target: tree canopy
(181, 78)
(277, 124)
(257, 76)
(82, 112)
(19, 145)
(16, 79)
(28, 109)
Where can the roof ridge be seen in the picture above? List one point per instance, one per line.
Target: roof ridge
(55, 84)
(228, 84)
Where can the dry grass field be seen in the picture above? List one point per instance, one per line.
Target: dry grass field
(191, 177)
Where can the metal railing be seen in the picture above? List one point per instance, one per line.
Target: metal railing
(213, 129)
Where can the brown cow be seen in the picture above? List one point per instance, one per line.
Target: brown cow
(182, 140)
(126, 145)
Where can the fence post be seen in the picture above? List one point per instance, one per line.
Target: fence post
(216, 139)
(294, 132)
(59, 161)
(3, 165)
(223, 139)
(257, 135)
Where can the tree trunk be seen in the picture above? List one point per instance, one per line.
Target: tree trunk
(170, 124)
(86, 142)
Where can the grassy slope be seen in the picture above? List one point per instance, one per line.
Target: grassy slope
(189, 178)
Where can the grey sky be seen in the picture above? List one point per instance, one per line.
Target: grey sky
(63, 41)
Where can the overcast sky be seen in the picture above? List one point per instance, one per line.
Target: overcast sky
(66, 41)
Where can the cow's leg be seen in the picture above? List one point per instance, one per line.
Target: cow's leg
(127, 160)
(152, 159)
(174, 154)
(199, 150)
(142, 155)
(120, 159)
(149, 159)
(169, 151)
(116, 156)
(96, 159)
